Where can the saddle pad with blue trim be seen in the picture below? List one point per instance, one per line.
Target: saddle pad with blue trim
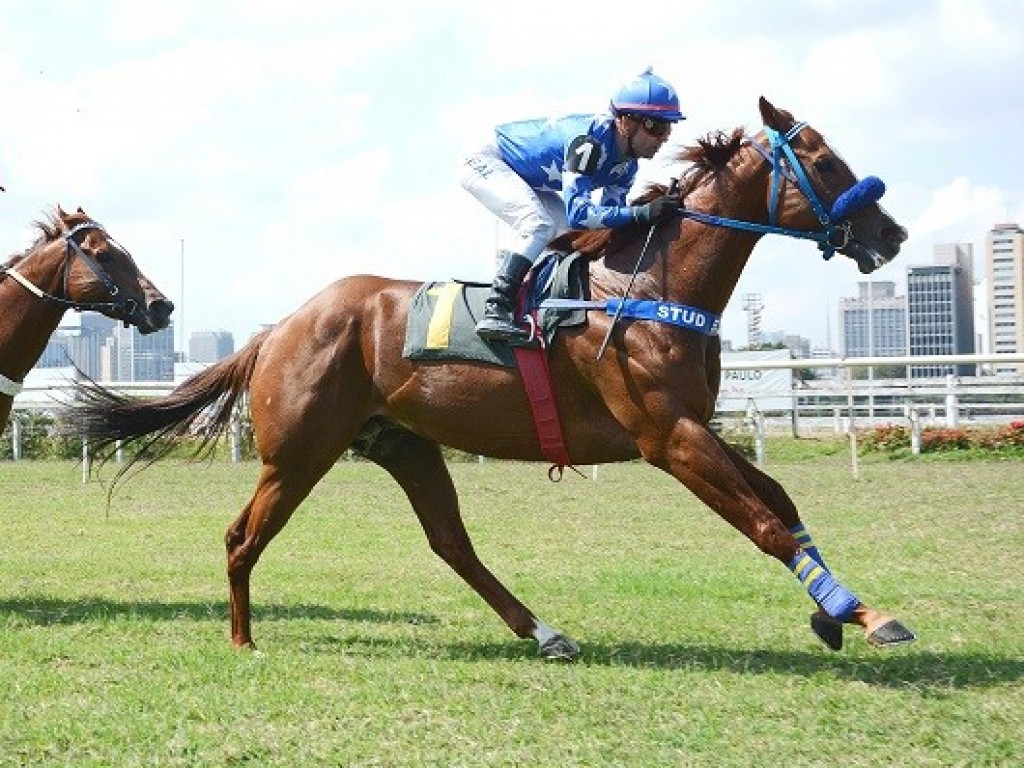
(443, 315)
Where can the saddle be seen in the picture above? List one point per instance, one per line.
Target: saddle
(443, 315)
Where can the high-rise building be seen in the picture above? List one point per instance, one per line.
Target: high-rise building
(940, 309)
(79, 344)
(875, 323)
(134, 357)
(1004, 261)
(210, 346)
(57, 353)
(95, 328)
(107, 351)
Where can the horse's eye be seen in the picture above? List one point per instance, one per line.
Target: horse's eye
(824, 165)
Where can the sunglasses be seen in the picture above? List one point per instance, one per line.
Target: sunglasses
(655, 127)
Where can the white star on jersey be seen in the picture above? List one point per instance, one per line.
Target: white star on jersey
(593, 220)
(538, 151)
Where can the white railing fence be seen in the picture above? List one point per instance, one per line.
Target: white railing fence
(838, 405)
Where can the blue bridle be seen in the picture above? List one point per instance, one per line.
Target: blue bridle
(831, 237)
(835, 231)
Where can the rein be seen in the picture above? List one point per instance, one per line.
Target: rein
(125, 308)
(830, 238)
(785, 164)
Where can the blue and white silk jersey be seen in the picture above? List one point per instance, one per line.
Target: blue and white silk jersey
(575, 155)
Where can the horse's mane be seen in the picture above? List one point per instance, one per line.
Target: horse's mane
(11, 261)
(50, 227)
(710, 155)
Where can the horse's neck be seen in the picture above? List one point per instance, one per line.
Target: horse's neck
(26, 324)
(43, 266)
(705, 262)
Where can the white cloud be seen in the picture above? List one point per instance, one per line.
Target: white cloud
(146, 22)
(960, 211)
(290, 143)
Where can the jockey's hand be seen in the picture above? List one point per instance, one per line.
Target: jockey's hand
(659, 208)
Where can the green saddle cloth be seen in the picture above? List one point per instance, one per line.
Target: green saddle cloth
(443, 317)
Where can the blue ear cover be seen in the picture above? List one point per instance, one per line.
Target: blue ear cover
(865, 192)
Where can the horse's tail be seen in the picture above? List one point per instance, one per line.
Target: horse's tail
(202, 406)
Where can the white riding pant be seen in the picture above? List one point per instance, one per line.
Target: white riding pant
(536, 218)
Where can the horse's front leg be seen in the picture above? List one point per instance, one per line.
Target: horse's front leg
(758, 507)
(879, 628)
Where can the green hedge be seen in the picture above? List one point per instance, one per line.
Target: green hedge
(42, 439)
(39, 439)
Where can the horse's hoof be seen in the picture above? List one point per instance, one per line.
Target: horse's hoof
(828, 630)
(558, 648)
(889, 634)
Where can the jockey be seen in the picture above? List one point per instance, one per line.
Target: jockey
(538, 175)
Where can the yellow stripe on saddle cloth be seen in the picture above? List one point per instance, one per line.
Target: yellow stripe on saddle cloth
(439, 329)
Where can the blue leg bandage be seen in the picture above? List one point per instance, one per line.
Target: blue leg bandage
(835, 599)
(803, 538)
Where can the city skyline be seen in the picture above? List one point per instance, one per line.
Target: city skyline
(739, 337)
(891, 334)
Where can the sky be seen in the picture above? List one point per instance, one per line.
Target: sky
(250, 153)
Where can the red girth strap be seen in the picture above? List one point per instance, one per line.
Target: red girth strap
(536, 375)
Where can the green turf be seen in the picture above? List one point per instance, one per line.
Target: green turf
(696, 650)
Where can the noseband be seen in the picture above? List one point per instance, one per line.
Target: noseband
(785, 164)
(123, 308)
(832, 235)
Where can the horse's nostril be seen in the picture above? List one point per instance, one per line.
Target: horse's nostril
(159, 313)
(895, 235)
(161, 308)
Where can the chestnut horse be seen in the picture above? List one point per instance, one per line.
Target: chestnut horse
(332, 375)
(74, 264)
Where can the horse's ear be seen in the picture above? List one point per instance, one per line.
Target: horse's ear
(778, 119)
(60, 213)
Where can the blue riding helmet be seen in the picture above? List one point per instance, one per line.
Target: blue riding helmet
(647, 96)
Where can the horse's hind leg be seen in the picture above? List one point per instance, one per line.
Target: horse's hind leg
(279, 491)
(419, 467)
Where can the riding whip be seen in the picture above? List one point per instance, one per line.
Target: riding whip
(672, 187)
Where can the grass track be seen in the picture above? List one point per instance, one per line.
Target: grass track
(114, 651)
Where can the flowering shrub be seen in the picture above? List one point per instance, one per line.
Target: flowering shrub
(1007, 436)
(944, 439)
(895, 438)
(886, 437)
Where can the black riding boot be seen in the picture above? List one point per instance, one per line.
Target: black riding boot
(498, 323)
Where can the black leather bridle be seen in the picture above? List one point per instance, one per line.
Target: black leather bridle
(120, 307)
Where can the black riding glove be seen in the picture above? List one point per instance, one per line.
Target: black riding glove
(658, 209)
